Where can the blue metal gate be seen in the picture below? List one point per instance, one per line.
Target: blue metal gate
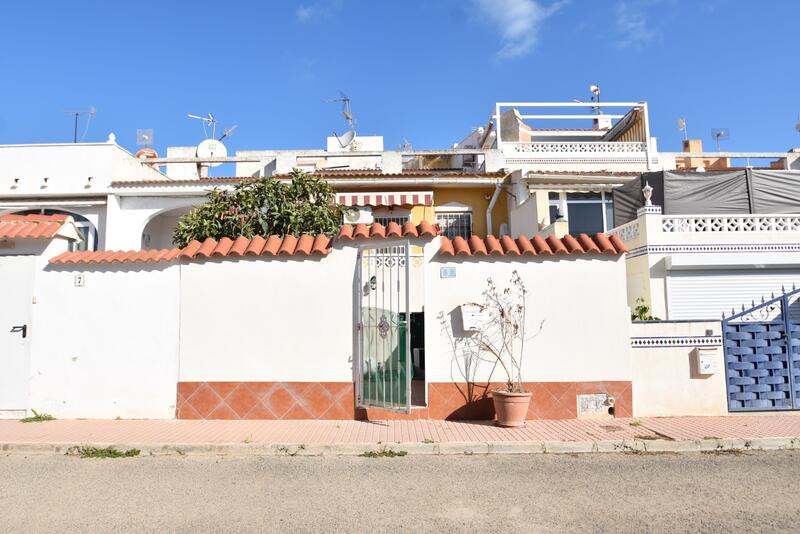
(762, 354)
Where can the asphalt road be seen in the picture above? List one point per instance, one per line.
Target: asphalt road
(756, 491)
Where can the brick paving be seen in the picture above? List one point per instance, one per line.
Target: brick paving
(417, 431)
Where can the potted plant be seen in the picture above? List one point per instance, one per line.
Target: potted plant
(493, 334)
(501, 341)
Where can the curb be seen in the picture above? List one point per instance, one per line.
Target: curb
(635, 446)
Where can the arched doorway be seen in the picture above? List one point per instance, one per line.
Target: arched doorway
(158, 231)
(84, 226)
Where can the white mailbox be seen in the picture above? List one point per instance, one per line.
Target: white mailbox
(706, 360)
(472, 317)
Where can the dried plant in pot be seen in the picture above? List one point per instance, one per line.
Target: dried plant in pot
(496, 336)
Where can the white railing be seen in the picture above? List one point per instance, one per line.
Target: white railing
(577, 151)
(627, 232)
(730, 223)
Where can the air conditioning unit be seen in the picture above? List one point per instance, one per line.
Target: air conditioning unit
(358, 215)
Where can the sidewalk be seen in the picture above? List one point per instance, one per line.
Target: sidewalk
(419, 436)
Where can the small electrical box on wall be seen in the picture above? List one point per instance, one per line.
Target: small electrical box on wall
(706, 360)
(472, 317)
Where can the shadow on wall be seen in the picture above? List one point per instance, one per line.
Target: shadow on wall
(464, 398)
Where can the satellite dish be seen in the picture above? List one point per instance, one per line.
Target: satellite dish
(212, 148)
(346, 139)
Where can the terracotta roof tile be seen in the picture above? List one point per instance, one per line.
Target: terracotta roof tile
(273, 245)
(522, 246)
(288, 246)
(31, 226)
(363, 231)
(304, 245)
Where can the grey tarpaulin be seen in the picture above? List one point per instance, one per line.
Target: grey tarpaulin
(720, 192)
(775, 191)
(628, 197)
(714, 192)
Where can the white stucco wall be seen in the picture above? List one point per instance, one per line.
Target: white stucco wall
(107, 349)
(664, 381)
(582, 301)
(118, 345)
(268, 319)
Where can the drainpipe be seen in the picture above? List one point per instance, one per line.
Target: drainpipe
(498, 187)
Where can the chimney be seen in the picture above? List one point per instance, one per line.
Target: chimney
(694, 146)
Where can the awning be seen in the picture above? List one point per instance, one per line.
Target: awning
(412, 198)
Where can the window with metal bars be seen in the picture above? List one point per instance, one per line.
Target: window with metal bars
(452, 224)
(401, 220)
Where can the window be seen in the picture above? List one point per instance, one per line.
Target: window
(454, 224)
(588, 213)
(401, 219)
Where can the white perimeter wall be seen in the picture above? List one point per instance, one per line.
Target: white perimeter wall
(664, 381)
(119, 345)
(268, 319)
(107, 349)
(582, 301)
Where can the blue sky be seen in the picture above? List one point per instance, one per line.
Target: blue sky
(426, 71)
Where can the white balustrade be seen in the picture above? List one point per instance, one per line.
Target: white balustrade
(577, 150)
(730, 223)
(627, 232)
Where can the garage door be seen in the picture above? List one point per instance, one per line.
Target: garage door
(706, 294)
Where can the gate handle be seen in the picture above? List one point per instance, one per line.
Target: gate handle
(20, 328)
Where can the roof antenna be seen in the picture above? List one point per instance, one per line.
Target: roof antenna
(720, 134)
(347, 138)
(208, 120)
(91, 112)
(682, 128)
(227, 132)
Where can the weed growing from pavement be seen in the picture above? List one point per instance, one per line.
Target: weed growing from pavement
(383, 453)
(37, 417)
(710, 437)
(428, 440)
(88, 451)
(635, 423)
(287, 452)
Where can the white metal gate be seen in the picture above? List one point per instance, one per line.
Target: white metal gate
(383, 370)
(16, 295)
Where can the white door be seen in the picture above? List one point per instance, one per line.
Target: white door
(706, 294)
(16, 295)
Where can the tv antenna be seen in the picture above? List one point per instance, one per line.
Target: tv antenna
(347, 112)
(406, 145)
(682, 128)
(91, 112)
(720, 134)
(227, 132)
(144, 137)
(347, 138)
(595, 90)
(208, 120)
(797, 126)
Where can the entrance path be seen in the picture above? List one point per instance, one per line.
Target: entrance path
(419, 436)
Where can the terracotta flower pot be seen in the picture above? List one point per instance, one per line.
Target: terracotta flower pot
(510, 408)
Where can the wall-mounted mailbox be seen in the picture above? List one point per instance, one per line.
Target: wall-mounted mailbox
(706, 360)
(473, 318)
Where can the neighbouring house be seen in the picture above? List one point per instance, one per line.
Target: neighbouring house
(706, 243)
